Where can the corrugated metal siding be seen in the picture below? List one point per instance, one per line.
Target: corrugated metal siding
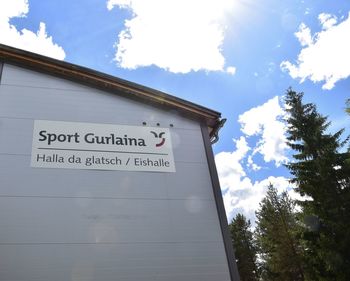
(62, 224)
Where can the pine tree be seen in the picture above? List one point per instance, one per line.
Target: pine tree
(245, 249)
(320, 172)
(276, 234)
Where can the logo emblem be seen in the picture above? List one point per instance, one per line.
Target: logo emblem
(160, 137)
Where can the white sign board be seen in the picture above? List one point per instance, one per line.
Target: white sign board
(73, 145)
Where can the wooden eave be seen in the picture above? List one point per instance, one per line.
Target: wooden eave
(111, 84)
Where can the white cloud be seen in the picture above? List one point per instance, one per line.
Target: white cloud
(231, 70)
(229, 165)
(325, 56)
(251, 164)
(327, 20)
(304, 35)
(267, 122)
(245, 196)
(240, 193)
(179, 36)
(38, 42)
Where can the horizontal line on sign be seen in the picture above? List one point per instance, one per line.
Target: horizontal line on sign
(94, 150)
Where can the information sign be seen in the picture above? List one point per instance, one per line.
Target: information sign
(73, 145)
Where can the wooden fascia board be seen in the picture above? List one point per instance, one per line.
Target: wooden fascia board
(104, 81)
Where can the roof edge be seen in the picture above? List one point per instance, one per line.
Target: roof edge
(106, 82)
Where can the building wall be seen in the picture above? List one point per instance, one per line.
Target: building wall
(65, 224)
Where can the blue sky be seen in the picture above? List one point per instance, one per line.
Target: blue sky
(235, 56)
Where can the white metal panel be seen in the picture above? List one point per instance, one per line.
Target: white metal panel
(81, 183)
(63, 224)
(110, 262)
(91, 220)
(72, 101)
(14, 75)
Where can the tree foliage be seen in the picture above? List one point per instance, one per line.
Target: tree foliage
(245, 249)
(320, 171)
(276, 235)
(313, 244)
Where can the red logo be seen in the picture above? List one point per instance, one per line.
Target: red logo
(160, 137)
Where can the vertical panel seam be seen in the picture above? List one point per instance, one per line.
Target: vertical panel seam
(1, 68)
(231, 260)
